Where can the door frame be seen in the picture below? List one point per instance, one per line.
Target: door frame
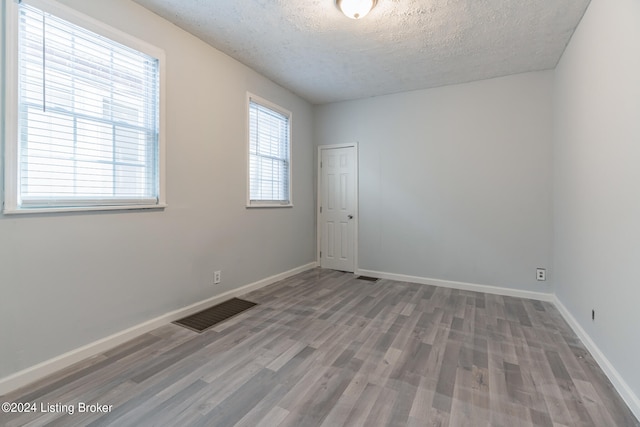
(356, 204)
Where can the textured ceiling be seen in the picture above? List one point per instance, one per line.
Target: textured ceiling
(309, 47)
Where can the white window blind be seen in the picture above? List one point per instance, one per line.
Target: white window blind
(269, 152)
(88, 117)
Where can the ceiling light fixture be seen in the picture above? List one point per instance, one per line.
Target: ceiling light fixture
(356, 9)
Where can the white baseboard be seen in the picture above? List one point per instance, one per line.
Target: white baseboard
(41, 370)
(496, 290)
(627, 394)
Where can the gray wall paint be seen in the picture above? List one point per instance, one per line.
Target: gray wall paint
(596, 180)
(455, 182)
(67, 280)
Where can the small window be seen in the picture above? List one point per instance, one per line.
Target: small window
(87, 121)
(269, 154)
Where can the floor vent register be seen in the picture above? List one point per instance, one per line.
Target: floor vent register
(209, 317)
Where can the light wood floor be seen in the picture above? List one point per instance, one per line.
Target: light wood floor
(326, 349)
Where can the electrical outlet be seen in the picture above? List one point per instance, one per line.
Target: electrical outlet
(541, 274)
(217, 277)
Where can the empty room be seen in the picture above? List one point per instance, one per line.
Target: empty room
(320, 213)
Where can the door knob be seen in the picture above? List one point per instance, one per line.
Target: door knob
(350, 216)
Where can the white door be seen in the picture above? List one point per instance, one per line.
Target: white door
(338, 208)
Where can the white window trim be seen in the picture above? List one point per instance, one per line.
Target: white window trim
(11, 101)
(279, 109)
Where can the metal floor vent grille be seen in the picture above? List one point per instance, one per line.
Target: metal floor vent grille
(367, 278)
(205, 319)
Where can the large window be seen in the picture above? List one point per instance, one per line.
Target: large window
(87, 116)
(269, 154)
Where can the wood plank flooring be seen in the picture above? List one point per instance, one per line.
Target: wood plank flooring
(326, 349)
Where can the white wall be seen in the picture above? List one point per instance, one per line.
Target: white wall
(69, 279)
(455, 182)
(597, 181)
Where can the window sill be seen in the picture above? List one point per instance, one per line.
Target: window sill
(23, 211)
(269, 205)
